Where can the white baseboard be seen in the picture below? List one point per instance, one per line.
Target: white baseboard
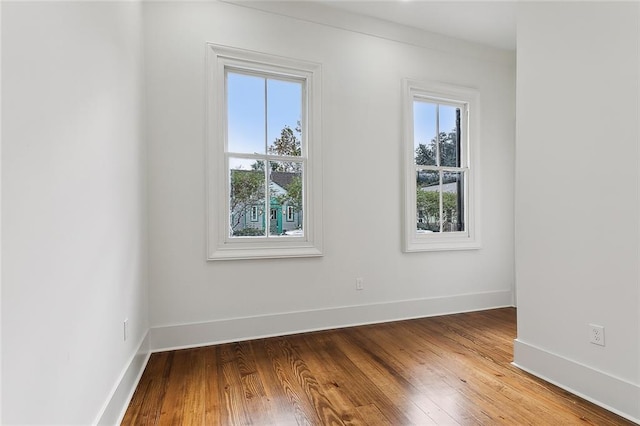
(116, 405)
(612, 393)
(238, 329)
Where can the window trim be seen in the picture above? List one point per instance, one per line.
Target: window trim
(254, 214)
(442, 93)
(219, 246)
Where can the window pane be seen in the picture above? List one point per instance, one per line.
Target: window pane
(424, 133)
(453, 201)
(427, 201)
(284, 114)
(286, 198)
(246, 201)
(449, 119)
(245, 113)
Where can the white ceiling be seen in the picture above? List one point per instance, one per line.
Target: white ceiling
(491, 23)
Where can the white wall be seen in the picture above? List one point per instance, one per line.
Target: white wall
(0, 214)
(577, 233)
(73, 208)
(362, 179)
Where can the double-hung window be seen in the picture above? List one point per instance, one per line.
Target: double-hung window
(440, 137)
(264, 155)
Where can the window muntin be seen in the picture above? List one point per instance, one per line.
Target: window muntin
(440, 200)
(263, 126)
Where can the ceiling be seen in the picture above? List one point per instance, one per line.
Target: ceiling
(491, 23)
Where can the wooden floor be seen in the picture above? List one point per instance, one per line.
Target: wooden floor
(445, 370)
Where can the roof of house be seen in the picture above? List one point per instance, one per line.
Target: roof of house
(283, 179)
(451, 187)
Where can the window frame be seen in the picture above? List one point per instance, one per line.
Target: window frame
(447, 94)
(220, 246)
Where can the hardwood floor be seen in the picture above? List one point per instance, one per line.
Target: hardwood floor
(445, 370)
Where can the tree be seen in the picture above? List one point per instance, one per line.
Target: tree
(293, 196)
(247, 186)
(448, 142)
(247, 189)
(426, 154)
(287, 144)
(428, 206)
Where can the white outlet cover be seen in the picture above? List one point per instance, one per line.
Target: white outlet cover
(596, 334)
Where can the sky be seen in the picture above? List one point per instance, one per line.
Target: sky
(252, 102)
(424, 121)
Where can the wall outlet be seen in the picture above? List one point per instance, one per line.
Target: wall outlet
(125, 329)
(359, 283)
(596, 334)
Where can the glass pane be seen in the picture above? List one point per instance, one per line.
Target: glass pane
(424, 133)
(449, 119)
(286, 198)
(246, 201)
(453, 201)
(284, 115)
(245, 113)
(427, 201)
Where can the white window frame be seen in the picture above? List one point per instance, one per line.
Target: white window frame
(413, 241)
(220, 246)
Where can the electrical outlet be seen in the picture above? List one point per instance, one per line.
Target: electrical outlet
(125, 327)
(596, 334)
(359, 283)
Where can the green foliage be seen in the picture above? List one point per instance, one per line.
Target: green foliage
(287, 144)
(248, 232)
(247, 186)
(293, 196)
(426, 153)
(428, 204)
(449, 206)
(247, 189)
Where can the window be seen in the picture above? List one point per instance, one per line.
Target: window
(290, 214)
(264, 155)
(440, 137)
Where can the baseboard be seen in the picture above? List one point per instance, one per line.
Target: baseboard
(246, 328)
(612, 393)
(116, 405)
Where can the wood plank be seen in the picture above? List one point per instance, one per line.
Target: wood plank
(449, 370)
(184, 397)
(152, 387)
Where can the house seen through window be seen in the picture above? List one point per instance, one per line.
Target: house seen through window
(264, 156)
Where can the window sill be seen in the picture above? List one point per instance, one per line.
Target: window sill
(437, 242)
(280, 252)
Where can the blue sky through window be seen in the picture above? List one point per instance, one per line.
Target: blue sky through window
(252, 103)
(424, 121)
